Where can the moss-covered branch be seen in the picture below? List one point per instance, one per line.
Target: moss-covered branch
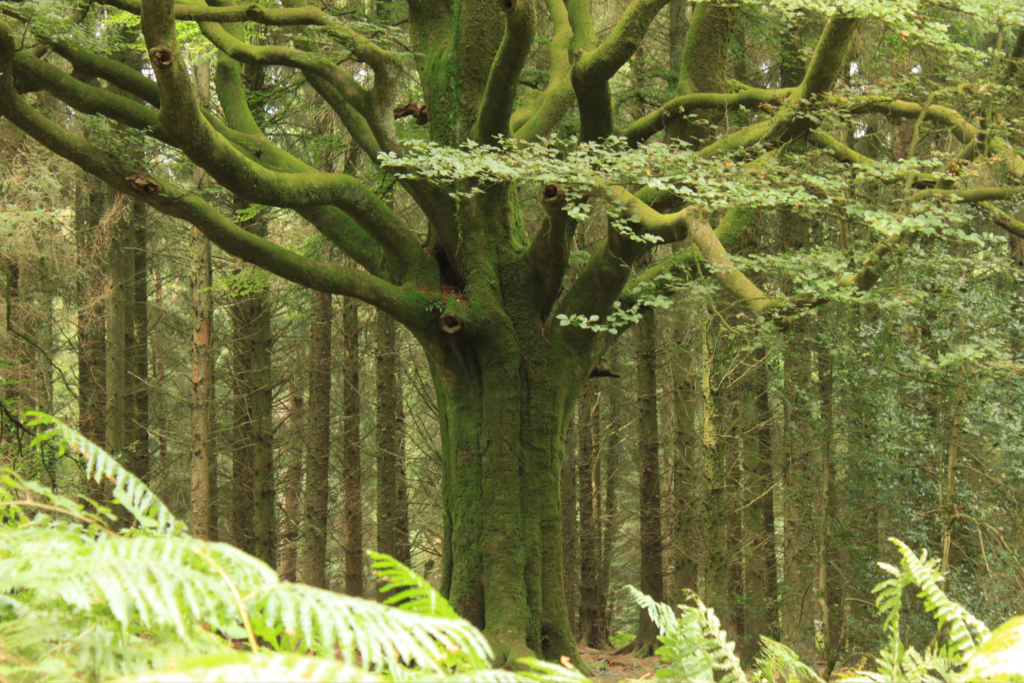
(495, 108)
(362, 48)
(964, 131)
(548, 254)
(595, 67)
(677, 107)
(738, 284)
(180, 114)
(405, 304)
(544, 112)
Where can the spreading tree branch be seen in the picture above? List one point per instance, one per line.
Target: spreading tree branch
(406, 305)
(495, 108)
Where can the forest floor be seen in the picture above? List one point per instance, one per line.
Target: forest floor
(609, 667)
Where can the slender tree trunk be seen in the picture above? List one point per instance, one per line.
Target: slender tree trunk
(119, 268)
(589, 521)
(317, 493)
(613, 456)
(651, 579)
(242, 449)
(760, 617)
(388, 434)
(139, 350)
(797, 594)
(352, 465)
(292, 484)
(686, 505)
(263, 488)
(202, 453)
(90, 205)
(829, 589)
(570, 528)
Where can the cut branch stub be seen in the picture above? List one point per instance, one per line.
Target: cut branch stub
(552, 199)
(161, 57)
(508, 6)
(451, 323)
(413, 109)
(142, 183)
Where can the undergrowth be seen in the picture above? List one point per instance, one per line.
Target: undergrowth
(81, 600)
(696, 648)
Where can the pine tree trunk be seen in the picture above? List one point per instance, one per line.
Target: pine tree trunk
(651, 579)
(201, 400)
(686, 505)
(317, 493)
(90, 205)
(388, 437)
(138, 350)
(352, 465)
(570, 527)
(796, 604)
(291, 481)
(589, 522)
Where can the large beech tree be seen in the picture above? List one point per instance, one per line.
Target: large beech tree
(485, 296)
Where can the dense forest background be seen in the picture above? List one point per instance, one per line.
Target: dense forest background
(760, 462)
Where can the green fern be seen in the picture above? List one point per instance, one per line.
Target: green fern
(129, 490)
(694, 646)
(79, 601)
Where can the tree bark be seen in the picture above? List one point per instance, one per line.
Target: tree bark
(291, 481)
(570, 527)
(201, 400)
(651, 573)
(352, 465)
(388, 437)
(317, 493)
(589, 505)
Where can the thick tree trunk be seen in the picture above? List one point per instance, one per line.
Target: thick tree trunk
(352, 465)
(317, 493)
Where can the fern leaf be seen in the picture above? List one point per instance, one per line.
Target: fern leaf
(259, 668)
(1001, 657)
(130, 491)
(411, 591)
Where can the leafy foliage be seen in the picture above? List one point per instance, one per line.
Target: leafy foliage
(79, 601)
(694, 646)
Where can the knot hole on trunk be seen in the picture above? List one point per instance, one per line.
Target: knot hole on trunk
(508, 6)
(161, 57)
(450, 323)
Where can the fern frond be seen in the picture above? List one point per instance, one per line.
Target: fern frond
(130, 491)
(694, 644)
(378, 635)
(234, 667)
(1001, 657)
(777, 661)
(966, 631)
(411, 591)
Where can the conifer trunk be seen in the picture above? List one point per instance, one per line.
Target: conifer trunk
(317, 492)
(351, 443)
